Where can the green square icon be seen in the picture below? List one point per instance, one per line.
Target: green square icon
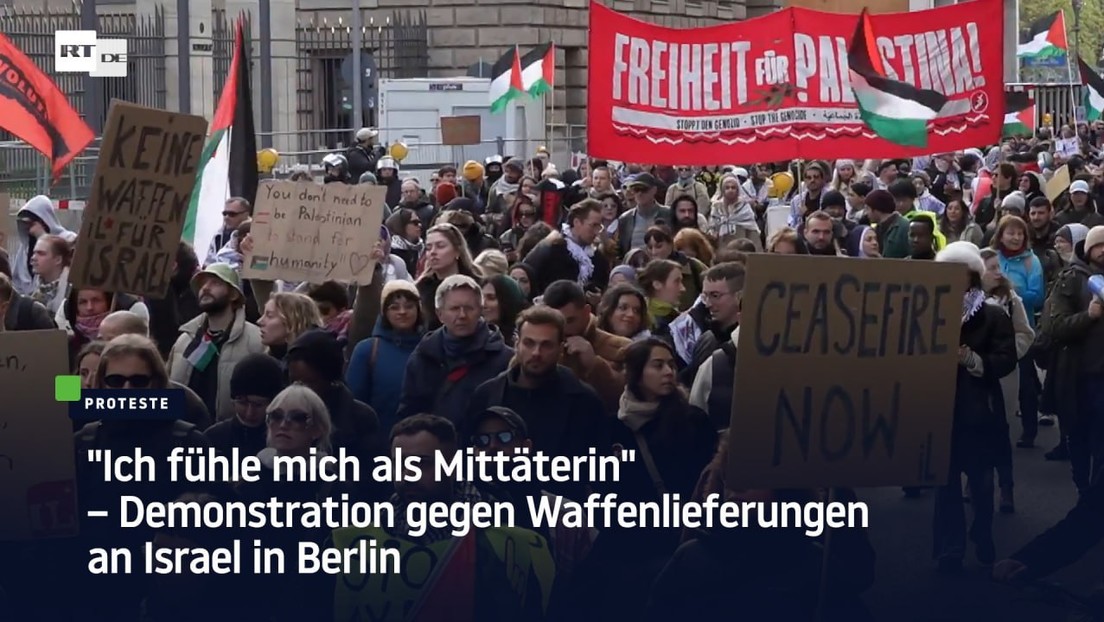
(67, 388)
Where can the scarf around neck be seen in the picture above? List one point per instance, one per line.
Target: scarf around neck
(503, 187)
(89, 325)
(582, 256)
(972, 303)
(635, 413)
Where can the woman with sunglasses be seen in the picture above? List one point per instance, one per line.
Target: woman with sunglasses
(296, 422)
(406, 229)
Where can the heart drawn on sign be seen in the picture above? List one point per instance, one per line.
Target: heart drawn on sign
(358, 262)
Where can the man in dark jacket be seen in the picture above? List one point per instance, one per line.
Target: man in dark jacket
(363, 155)
(892, 227)
(634, 223)
(722, 291)
(453, 360)
(572, 256)
(564, 416)
(20, 312)
(316, 359)
(1074, 323)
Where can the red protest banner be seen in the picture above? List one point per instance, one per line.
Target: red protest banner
(777, 87)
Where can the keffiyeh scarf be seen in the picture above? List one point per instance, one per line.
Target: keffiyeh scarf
(972, 303)
(582, 256)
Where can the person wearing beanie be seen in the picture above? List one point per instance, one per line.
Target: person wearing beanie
(891, 227)
(979, 433)
(474, 186)
(1066, 239)
(316, 360)
(255, 381)
(505, 187)
(1082, 207)
(212, 343)
(622, 274)
(443, 194)
(1076, 327)
(377, 365)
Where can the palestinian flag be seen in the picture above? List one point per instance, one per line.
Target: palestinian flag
(1045, 42)
(229, 167)
(538, 69)
(897, 112)
(1092, 86)
(1019, 114)
(505, 80)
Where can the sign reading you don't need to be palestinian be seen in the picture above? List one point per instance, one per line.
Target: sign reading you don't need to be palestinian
(845, 372)
(303, 231)
(131, 227)
(777, 87)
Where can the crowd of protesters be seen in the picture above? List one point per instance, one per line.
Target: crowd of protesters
(514, 305)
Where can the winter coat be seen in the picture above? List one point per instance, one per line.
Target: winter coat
(376, 370)
(26, 314)
(42, 208)
(245, 339)
(626, 223)
(229, 434)
(893, 237)
(696, 190)
(606, 376)
(435, 383)
(551, 261)
(1077, 338)
(1025, 271)
(979, 429)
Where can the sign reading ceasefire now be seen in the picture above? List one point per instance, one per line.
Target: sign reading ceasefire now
(845, 372)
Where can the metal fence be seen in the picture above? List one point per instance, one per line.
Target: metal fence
(306, 72)
(32, 31)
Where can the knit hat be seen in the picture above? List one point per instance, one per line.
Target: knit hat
(1094, 238)
(1072, 233)
(880, 201)
(222, 272)
(969, 255)
(320, 350)
(833, 198)
(257, 374)
(628, 272)
(1079, 186)
(444, 193)
(398, 286)
(1015, 201)
(472, 170)
(516, 164)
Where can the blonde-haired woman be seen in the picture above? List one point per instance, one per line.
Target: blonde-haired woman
(446, 254)
(492, 262)
(297, 422)
(286, 316)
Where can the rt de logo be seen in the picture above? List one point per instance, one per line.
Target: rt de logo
(80, 51)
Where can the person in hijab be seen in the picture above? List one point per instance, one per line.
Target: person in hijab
(733, 215)
(1066, 239)
(862, 242)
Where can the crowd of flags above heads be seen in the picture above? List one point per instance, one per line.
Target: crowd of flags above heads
(515, 74)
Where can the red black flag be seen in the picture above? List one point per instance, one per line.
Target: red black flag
(35, 111)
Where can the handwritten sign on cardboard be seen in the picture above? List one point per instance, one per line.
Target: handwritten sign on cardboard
(462, 130)
(845, 372)
(37, 470)
(140, 195)
(303, 231)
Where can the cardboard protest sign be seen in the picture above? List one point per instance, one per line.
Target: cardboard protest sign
(1058, 183)
(139, 200)
(303, 231)
(845, 372)
(37, 466)
(464, 130)
(1067, 147)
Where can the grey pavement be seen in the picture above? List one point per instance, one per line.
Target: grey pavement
(908, 588)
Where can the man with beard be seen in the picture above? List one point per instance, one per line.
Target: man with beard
(212, 343)
(819, 235)
(363, 155)
(687, 215)
(1040, 215)
(565, 417)
(809, 200)
(414, 199)
(686, 185)
(1077, 330)
(508, 184)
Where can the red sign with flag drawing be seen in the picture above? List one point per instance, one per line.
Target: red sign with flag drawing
(778, 88)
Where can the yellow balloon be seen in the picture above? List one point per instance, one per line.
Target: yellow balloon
(267, 159)
(782, 182)
(398, 151)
